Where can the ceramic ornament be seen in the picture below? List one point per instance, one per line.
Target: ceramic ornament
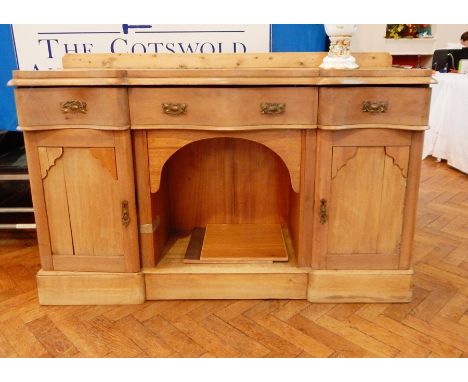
(339, 56)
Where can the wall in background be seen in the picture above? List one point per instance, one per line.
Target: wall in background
(284, 38)
(371, 37)
(445, 34)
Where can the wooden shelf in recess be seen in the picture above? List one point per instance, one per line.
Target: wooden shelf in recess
(237, 243)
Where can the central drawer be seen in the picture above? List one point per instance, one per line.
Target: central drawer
(223, 106)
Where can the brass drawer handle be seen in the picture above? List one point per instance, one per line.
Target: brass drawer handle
(272, 108)
(74, 107)
(125, 213)
(374, 107)
(174, 108)
(323, 211)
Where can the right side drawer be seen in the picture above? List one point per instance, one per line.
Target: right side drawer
(374, 105)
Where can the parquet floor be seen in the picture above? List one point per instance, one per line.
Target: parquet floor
(434, 324)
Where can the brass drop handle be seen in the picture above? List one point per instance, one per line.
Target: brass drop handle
(374, 107)
(272, 108)
(174, 108)
(74, 107)
(125, 213)
(323, 211)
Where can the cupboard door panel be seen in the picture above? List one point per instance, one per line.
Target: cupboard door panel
(355, 201)
(84, 190)
(367, 200)
(94, 201)
(360, 202)
(83, 202)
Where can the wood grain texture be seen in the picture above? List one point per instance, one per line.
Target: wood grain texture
(43, 106)
(225, 180)
(409, 222)
(37, 195)
(143, 196)
(94, 216)
(301, 206)
(173, 262)
(214, 61)
(322, 192)
(376, 72)
(85, 288)
(243, 242)
(225, 286)
(164, 143)
(359, 286)
(125, 174)
(82, 190)
(106, 73)
(80, 263)
(66, 82)
(343, 106)
(76, 137)
(262, 175)
(369, 137)
(393, 200)
(237, 78)
(392, 126)
(219, 69)
(228, 128)
(220, 106)
(355, 203)
(364, 190)
(366, 204)
(56, 200)
(48, 157)
(433, 324)
(252, 73)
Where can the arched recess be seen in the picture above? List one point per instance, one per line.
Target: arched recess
(162, 144)
(224, 181)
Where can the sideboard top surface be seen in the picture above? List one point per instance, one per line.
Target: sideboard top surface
(219, 69)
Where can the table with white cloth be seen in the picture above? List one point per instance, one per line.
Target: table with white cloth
(447, 137)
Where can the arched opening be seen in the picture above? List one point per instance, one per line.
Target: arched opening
(225, 189)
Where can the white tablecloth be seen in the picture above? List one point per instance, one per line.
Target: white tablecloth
(447, 137)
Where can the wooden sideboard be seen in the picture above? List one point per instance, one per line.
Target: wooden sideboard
(186, 176)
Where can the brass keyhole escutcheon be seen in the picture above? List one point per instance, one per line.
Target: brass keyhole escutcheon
(125, 213)
(323, 211)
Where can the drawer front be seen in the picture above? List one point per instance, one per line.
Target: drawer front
(72, 106)
(374, 105)
(224, 106)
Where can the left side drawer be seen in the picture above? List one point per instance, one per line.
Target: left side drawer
(72, 106)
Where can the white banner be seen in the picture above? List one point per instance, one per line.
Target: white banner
(41, 47)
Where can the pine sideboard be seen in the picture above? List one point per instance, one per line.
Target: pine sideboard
(135, 160)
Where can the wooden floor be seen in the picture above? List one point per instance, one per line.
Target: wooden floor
(434, 324)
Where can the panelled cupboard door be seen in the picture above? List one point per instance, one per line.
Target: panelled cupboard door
(87, 189)
(360, 198)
